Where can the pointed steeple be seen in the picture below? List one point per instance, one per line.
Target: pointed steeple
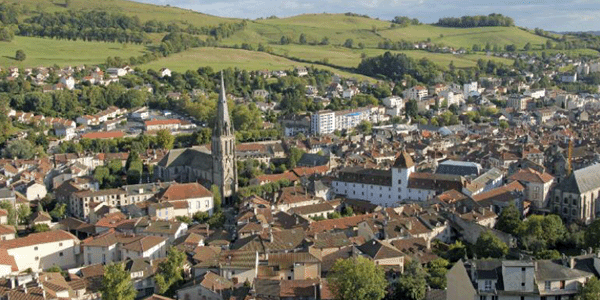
(223, 122)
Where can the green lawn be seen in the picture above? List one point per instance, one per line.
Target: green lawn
(47, 52)
(350, 58)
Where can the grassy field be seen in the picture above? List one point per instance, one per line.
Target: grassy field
(221, 58)
(464, 37)
(47, 52)
(143, 11)
(350, 58)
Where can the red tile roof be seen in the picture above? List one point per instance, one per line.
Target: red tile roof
(38, 238)
(184, 191)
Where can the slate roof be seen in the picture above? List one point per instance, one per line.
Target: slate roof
(582, 180)
(377, 250)
(550, 270)
(463, 168)
(404, 161)
(196, 157)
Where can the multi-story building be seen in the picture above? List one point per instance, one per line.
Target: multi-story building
(518, 102)
(322, 122)
(537, 186)
(400, 184)
(39, 251)
(115, 247)
(79, 202)
(507, 280)
(416, 93)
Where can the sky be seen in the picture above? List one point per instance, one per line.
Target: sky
(554, 15)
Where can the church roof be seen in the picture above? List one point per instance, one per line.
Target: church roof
(583, 180)
(223, 124)
(195, 157)
(404, 161)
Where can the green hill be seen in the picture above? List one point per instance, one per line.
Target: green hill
(336, 28)
(143, 11)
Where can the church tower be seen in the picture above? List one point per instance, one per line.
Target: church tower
(223, 149)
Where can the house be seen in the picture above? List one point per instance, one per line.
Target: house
(7, 232)
(39, 251)
(68, 82)
(537, 186)
(164, 72)
(142, 271)
(525, 279)
(260, 94)
(170, 230)
(382, 254)
(209, 286)
(32, 190)
(302, 71)
(155, 125)
(113, 246)
(39, 218)
(116, 72)
(193, 196)
(415, 93)
(141, 113)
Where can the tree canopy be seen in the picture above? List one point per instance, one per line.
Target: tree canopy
(357, 279)
(489, 245)
(116, 283)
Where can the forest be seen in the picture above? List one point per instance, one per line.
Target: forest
(477, 21)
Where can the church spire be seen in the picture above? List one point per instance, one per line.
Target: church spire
(223, 122)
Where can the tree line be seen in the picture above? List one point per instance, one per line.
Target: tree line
(477, 21)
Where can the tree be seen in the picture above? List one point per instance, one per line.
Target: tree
(412, 285)
(6, 35)
(101, 174)
(592, 235)
(591, 290)
(20, 55)
(357, 278)
(12, 213)
(59, 211)
(455, 252)
(348, 43)
(116, 283)
(509, 220)
(411, 108)
(489, 245)
(170, 271)
(302, 39)
(503, 124)
(165, 139)
(325, 41)
(19, 149)
(540, 232)
(365, 127)
(216, 197)
(436, 277)
(41, 228)
(23, 212)
(527, 47)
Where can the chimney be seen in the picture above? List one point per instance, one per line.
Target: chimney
(12, 283)
(571, 262)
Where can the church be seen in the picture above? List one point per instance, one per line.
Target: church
(214, 164)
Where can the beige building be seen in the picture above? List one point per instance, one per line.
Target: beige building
(39, 251)
(79, 202)
(115, 247)
(537, 186)
(187, 199)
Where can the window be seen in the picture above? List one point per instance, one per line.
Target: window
(522, 283)
(548, 285)
(35, 248)
(60, 244)
(37, 258)
(60, 254)
(522, 269)
(488, 285)
(482, 297)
